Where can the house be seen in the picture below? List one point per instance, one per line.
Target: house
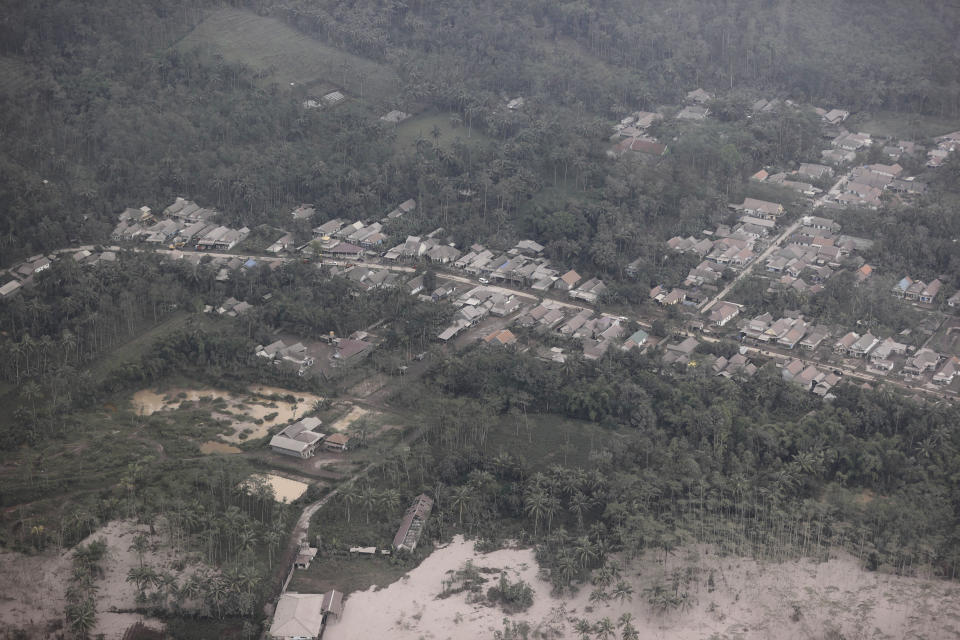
(333, 98)
(680, 353)
(304, 212)
(328, 228)
(305, 555)
(862, 347)
(851, 141)
(760, 176)
(699, 96)
(411, 527)
(567, 281)
(298, 439)
(922, 361)
(516, 103)
(837, 156)
(835, 116)
(930, 292)
(792, 369)
(900, 289)
(284, 243)
(299, 616)
(887, 348)
(638, 339)
(590, 291)
(947, 372)
(349, 350)
(953, 301)
(887, 170)
(814, 171)
(332, 603)
(502, 338)
(723, 312)
(864, 272)
(337, 442)
(814, 338)
(843, 345)
(404, 207)
(394, 117)
(9, 289)
(762, 209)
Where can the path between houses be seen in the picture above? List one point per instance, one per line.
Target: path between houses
(763, 256)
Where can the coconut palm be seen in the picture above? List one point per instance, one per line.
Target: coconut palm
(605, 629)
(623, 591)
(461, 498)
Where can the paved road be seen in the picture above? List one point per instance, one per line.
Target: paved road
(763, 256)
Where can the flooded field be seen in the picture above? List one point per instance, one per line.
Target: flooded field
(284, 489)
(270, 405)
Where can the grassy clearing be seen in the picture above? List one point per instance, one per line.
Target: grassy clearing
(903, 126)
(409, 131)
(286, 55)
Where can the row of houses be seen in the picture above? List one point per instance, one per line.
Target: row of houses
(919, 291)
(787, 332)
(597, 333)
(683, 353)
(22, 274)
(810, 377)
(184, 223)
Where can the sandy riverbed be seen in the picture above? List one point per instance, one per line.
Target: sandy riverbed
(787, 601)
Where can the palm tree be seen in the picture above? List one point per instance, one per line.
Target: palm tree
(535, 505)
(369, 499)
(599, 595)
(82, 616)
(623, 591)
(462, 497)
(584, 628)
(605, 629)
(140, 545)
(348, 495)
(584, 551)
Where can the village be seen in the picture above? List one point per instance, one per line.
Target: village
(515, 298)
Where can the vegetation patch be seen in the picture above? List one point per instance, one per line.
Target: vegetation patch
(284, 55)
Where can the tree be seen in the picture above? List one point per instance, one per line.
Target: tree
(605, 629)
(536, 505)
(140, 545)
(623, 591)
(82, 616)
(348, 494)
(461, 499)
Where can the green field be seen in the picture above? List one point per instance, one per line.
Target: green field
(268, 45)
(903, 126)
(422, 126)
